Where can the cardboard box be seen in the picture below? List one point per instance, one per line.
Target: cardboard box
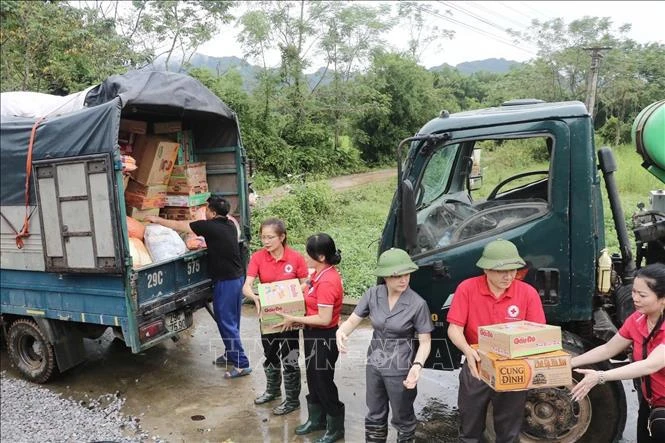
(186, 152)
(133, 126)
(188, 179)
(166, 127)
(283, 296)
(141, 214)
(142, 197)
(551, 369)
(155, 158)
(519, 339)
(181, 213)
(187, 200)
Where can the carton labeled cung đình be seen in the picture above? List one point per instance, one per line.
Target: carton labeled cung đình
(282, 296)
(550, 369)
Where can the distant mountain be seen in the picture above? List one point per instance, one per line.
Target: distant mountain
(493, 65)
(248, 72)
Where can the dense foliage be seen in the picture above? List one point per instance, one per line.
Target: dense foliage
(359, 105)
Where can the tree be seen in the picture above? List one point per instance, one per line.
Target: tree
(402, 99)
(55, 48)
(421, 33)
(170, 27)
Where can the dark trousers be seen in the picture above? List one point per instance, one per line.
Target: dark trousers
(227, 304)
(657, 425)
(473, 399)
(382, 391)
(320, 357)
(282, 348)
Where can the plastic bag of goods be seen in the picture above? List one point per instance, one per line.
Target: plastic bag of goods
(135, 228)
(140, 255)
(163, 243)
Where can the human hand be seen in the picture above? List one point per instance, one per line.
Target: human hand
(152, 219)
(472, 360)
(257, 303)
(582, 388)
(286, 324)
(412, 377)
(341, 338)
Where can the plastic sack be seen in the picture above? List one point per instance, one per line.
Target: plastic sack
(140, 255)
(163, 243)
(135, 228)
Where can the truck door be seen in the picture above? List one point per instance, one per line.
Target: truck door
(523, 198)
(77, 214)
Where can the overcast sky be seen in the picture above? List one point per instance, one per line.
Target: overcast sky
(480, 27)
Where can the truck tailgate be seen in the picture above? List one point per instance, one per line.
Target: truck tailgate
(166, 286)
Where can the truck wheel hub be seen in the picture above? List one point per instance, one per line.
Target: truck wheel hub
(551, 415)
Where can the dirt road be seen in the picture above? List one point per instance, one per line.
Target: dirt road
(340, 183)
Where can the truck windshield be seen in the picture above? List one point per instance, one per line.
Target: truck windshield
(436, 176)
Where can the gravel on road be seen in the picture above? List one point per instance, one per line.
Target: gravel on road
(29, 412)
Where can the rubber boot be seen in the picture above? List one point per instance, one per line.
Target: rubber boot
(315, 420)
(292, 390)
(376, 432)
(334, 428)
(273, 386)
(406, 437)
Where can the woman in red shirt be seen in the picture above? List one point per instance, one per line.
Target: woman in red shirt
(277, 262)
(645, 330)
(323, 303)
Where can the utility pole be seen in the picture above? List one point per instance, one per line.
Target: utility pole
(592, 80)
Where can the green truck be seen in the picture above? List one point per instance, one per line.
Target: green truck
(528, 171)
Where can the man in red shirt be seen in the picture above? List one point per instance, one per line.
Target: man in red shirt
(495, 297)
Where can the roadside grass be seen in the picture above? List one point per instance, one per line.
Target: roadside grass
(355, 218)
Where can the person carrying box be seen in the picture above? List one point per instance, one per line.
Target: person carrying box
(493, 298)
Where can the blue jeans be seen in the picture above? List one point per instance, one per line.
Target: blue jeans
(227, 303)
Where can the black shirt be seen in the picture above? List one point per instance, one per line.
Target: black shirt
(221, 235)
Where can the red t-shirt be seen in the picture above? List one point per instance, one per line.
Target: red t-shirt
(268, 270)
(474, 305)
(635, 329)
(325, 290)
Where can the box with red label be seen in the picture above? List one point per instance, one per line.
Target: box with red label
(551, 369)
(155, 158)
(281, 296)
(145, 197)
(520, 338)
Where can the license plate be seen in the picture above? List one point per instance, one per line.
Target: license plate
(176, 321)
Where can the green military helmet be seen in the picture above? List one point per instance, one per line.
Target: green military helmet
(394, 262)
(500, 255)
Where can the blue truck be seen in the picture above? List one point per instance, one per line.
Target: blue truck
(66, 268)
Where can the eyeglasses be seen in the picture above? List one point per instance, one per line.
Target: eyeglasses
(268, 237)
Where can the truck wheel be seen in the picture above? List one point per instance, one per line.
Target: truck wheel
(623, 300)
(30, 351)
(550, 414)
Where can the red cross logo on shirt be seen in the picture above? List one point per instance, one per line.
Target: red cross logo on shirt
(513, 311)
(288, 269)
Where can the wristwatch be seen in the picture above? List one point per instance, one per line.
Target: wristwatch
(417, 363)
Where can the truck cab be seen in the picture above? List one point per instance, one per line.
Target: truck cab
(526, 172)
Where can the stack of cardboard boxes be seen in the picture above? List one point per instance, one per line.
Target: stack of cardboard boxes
(187, 190)
(522, 355)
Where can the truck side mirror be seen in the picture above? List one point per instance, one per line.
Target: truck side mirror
(408, 215)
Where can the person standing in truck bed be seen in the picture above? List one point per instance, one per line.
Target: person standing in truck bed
(226, 270)
(495, 297)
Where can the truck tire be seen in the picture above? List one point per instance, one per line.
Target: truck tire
(551, 416)
(623, 300)
(30, 351)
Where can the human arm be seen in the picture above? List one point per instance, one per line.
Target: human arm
(346, 329)
(456, 335)
(602, 352)
(424, 347)
(177, 225)
(248, 291)
(653, 363)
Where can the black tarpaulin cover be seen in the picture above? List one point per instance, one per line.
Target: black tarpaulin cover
(141, 95)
